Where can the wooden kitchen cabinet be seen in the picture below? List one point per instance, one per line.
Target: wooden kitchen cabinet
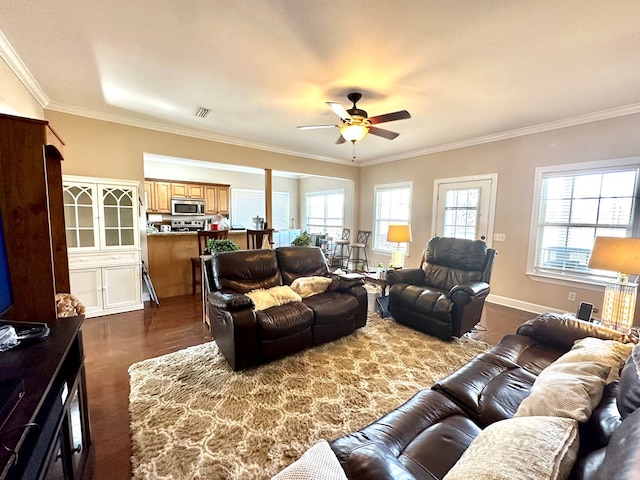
(158, 195)
(216, 199)
(187, 190)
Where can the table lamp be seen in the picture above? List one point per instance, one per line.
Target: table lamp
(400, 233)
(620, 255)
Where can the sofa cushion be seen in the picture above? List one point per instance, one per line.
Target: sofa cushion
(401, 444)
(489, 388)
(245, 270)
(520, 448)
(272, 297)
(609, 352)
(317, 463)
(628, 399)
(622, 456)
(569, 390)
(309, 286)
(332, 307)
(297, 262)
(282, 321)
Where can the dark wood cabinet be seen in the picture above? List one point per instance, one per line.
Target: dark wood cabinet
(33, 215)
(48, 435)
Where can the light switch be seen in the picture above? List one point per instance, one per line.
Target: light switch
(499, 237)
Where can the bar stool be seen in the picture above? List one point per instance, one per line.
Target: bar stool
(360, 245)
(255, 238)
(342, 257)
(203, 237)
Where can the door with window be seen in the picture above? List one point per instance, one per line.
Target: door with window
(464, 207)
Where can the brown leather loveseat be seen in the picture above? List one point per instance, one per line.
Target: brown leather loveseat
(426, 437)
(247, 336)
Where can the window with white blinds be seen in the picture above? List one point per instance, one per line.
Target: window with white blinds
(325, 212)
(246, 204)
(392, 205)
(576, 206)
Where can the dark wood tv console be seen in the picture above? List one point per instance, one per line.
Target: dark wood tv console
(48, 433)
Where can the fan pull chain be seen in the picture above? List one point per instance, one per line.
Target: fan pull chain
(353, 150)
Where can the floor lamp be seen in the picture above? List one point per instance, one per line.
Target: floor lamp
(620, 255)
(398, 234)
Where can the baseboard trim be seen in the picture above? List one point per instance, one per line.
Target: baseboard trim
(520, 305)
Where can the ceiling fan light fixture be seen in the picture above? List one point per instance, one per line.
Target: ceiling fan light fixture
(354, 133)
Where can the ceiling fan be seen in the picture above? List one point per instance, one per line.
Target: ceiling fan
(356, 123)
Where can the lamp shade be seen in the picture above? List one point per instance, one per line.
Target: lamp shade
(616, 254)
(399, 233)
(354, 133)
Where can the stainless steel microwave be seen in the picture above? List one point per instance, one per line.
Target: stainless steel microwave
(187, 206)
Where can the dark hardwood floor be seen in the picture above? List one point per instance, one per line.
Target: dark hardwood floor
(114, 342)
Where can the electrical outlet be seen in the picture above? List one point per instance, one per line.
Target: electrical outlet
(499, 237)
(572, 296)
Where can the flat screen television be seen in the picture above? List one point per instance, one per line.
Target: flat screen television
(6, 297)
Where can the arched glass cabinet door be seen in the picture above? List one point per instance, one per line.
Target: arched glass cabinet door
(80, 206)
(119, 210)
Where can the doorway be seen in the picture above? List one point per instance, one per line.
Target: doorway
(464, 207)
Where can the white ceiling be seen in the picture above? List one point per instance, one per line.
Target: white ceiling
(468, 71)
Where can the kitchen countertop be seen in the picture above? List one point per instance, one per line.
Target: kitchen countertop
(193, 232)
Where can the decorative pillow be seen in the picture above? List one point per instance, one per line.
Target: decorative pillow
(317, 463)
(526, 448)
(273, 297)
(591, 349)
(569, 390)
(308, 286)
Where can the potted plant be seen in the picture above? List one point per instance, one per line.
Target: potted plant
(216, 245)
(302, 240)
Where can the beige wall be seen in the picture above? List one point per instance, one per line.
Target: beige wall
(15, 98)
(514, 161)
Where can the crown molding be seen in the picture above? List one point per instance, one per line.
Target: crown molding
(18, 67)
(518, 132)
(183, 131)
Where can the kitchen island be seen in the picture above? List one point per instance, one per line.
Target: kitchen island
(170, 259)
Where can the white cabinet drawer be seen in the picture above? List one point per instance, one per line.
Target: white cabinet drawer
(103, 258)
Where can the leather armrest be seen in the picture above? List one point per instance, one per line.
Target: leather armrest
(412, 276)
(344, 284)
(470, 288)
(561, 331)
(230, 301)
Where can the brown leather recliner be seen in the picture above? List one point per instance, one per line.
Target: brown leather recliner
(445, 296)
(246, 336)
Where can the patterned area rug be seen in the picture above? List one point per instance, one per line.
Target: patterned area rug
(193, 417)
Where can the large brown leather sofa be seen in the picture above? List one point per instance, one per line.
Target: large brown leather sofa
(427, 435)
(247, 336)
(444, 297)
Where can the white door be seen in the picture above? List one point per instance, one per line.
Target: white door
(464, 207)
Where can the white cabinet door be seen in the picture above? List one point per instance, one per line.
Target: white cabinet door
(81, 216)
(121, 286)
(86, 284)
(118, 216)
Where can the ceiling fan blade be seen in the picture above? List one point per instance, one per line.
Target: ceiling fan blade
(390, 117)
(311, 127)
(380, 132)
(339, 110)
(340, 140)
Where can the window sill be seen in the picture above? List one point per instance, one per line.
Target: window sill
(567, 281)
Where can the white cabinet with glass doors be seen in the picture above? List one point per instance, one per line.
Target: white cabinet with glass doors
(101, 221)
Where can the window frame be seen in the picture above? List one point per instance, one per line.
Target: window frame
(375, 247)
(286, 199)
(588, 281)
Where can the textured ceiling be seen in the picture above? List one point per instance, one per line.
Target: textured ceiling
(467, 71)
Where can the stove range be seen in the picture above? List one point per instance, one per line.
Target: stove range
(187, 225)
